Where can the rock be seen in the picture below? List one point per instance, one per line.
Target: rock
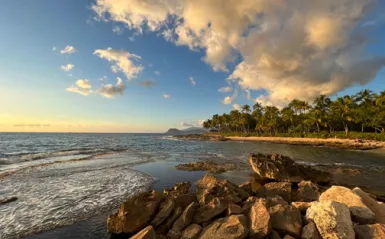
(272, 201)
(282, 189)
(247, 187)
(274, 235)
(210, 210)
(302, 206)
(7, 200)
(283, 168)
(332, 219)
(375, 231)
(166, 225)
(377, 208)
(183, 221)
(360, 212)
(166, 207)
(259, 218)
(212, 167)
(191, 232)
(288, 237)
(286, 220)
(233, 209)
(232, 227)
(268, 201)
(135, 213)
(181, 194)
(307, 192)
(310, 231)
(208, 187)
(146, 233)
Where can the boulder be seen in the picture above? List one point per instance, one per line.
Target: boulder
(135, 213)
(191, 232)
(208, 188)
(183, 221)
(233, 209)
(310, 231)
(212, 167)
(302, 206)
(232, 227)
(268, 202)
(282, 168)
(260, 223)
(282, 189)
(166, 207)
(274, 235)
(247, 187)
(377, 208)
(375, 231)
(181, 194)
(286, 220)
(288, 237)
(210, 210)
(360, 212)
(146, 233)
(307, 192)
(332, 219)
(166, 225)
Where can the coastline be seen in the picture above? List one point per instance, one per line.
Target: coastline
(337, 143)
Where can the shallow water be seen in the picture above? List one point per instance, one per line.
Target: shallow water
(63, 193)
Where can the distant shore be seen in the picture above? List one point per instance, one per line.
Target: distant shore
(330, 142)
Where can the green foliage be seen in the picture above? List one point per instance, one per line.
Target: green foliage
(357, 116)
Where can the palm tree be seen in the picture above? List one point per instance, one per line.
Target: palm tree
(342, 108)
(314, 118)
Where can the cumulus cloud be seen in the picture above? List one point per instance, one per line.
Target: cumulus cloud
(280, 46)
(229, 99)
(67, 67)
(147, 83)
(185, 124)
(118, 30)
(122, 61)
(166, 96)
(225, 89)
(237, 107)
(82, 87)
(193, 82)
(68, 50)
(109, 90)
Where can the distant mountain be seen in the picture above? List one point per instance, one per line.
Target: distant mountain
(191, 130)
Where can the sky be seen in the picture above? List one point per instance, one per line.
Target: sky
(149, 65)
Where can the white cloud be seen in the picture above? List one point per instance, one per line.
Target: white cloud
(67, 67)
(54, 48)
(282, 46)
(68, 50)
(166, 96)
(193, 82)
(122, 61)
(118, 30)
(104, 78)
(185, 124)
(109, 90)
(229, 99)
(82, 87)
(237, 107)
(225, 89)
(200, 122)
(157, 73)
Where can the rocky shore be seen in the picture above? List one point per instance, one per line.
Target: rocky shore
(282, 200)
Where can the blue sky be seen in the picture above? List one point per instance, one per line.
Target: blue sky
(33, 86)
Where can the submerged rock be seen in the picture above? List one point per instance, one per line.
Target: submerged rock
(332, 219)
(232, 227)
(360, 212)
(135, 213)
(375, 231)
(212, 167)
(146, 233)
(283, 168)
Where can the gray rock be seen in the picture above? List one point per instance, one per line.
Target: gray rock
(360, 212)
(332, 219)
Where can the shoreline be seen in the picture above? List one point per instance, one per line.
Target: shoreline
(335, 143)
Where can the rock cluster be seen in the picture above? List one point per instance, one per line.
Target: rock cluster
(209, 166)
(274, 210)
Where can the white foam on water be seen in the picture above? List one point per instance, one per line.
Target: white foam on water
(61, 194)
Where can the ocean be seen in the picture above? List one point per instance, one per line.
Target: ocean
(67, 183)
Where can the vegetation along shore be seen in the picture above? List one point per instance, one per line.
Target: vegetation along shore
(360, 116)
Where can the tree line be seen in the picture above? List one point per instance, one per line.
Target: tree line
(361, 112)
